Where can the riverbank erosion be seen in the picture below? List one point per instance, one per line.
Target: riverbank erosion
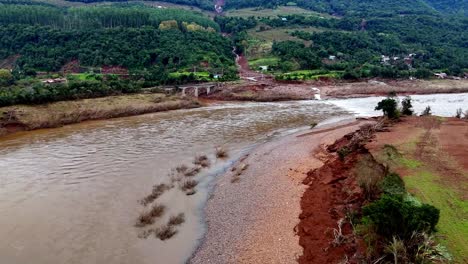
(301, 198)
(24, 117)
(267, 89)
(432, 168)
(253, 212)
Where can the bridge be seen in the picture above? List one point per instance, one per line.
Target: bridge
(197, 89)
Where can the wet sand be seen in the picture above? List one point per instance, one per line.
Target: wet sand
(253, 219)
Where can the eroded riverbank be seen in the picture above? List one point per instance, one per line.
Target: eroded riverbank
(252, 219)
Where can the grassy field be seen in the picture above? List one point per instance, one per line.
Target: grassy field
(304, 75)
(280, 11)
(266, 61)
(261, 41)
(280, 34)
(434, 177)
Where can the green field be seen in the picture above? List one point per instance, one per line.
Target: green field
(267, 61)
(304, 75)
(453, 224)
(280, 34)
(425, 180)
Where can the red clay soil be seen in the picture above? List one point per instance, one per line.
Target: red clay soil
(332, 192)
(453, 139)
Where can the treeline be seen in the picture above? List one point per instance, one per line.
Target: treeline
(39, 93)
(125, 15)
(360, 7)
(48, 49)
(337, 7)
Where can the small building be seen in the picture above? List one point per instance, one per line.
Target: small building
(284, 19)
(385, 59)
(332, 57)
(263, 68)
(441, 75)
(54, 81)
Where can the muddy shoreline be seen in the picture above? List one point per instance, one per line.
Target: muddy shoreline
(253, 212)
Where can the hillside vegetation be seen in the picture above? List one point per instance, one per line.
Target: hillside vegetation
(147, 46)
(352, 39)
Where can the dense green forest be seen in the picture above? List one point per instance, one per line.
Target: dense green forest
(393, 39)
(341, 7)
(154, 46)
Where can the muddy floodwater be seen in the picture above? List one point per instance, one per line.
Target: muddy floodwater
(70, 195)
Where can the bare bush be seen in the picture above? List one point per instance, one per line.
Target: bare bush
(144, 219)
(157, 210)
(177, 220)
(181, 168)
(397, 249)
(221, 153)
(157, 191)
(192, 171)
(339, 238)
(369, 175)
(165, 232)
(147, 218)
(202, 160)
(188, 185)
(427, 111)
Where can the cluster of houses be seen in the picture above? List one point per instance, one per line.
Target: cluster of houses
(408, 60)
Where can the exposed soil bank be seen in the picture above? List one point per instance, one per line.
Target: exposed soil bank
(383, 87)
(264, 91)
(333, 194)
(252, 214)
(428, 152)
(24, 118)
(432, 155)
(267, 89)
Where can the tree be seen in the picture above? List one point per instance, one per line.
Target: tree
(407, 107)
(6, 77)
(389, 107)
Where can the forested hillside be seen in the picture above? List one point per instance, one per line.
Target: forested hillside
(450, 6)
(87, 45)
(342, 7)
(392, 39)
(135, 37)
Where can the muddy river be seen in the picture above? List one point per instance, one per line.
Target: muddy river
(70, 195)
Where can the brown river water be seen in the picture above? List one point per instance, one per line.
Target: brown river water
(70, 195)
